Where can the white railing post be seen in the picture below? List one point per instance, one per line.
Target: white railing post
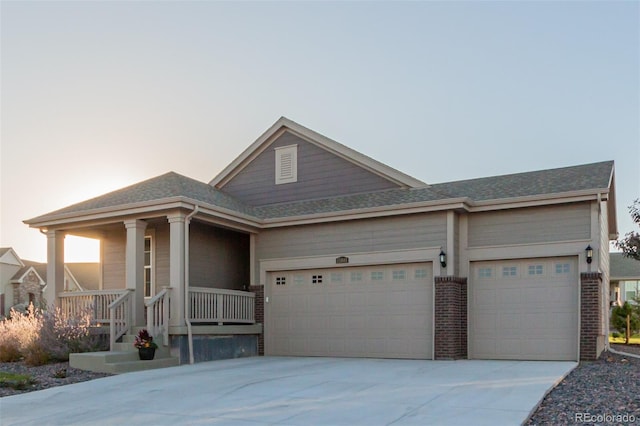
(158, 314)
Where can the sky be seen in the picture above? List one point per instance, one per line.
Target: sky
(95, 95)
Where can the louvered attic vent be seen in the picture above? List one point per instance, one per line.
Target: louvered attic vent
(286, 164)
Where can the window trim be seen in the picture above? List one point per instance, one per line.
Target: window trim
(151, 236)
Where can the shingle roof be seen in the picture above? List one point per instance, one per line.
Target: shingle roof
(165, 186)
(545, 182)
(623, 267)
(566, 179)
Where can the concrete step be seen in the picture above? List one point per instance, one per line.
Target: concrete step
(161, 351)
(116, 362)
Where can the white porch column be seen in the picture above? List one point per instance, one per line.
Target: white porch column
(55, 267)
(135, 267)
(177, 267)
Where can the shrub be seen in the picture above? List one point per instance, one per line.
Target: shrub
(15, 381)
(41, 337)
(17, 333)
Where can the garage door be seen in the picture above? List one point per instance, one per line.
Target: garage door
(374, 311)
(524, 309)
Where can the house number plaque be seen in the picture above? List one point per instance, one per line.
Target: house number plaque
(342, 259)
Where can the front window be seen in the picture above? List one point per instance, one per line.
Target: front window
(148, 267)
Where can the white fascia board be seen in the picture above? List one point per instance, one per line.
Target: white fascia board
(538, 200)
(284, 124)
(16, 258)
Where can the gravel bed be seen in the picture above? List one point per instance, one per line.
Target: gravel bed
(602, 392)
(45, 376)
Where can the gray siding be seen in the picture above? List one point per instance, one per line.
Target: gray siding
(217, 257)
(162, 257)
(357, 236)
(320, 174)
(456, 242)
(114, 245)
(532, 225)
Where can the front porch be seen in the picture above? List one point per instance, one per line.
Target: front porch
(219, 324)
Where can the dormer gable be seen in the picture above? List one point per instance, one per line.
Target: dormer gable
(292, 163)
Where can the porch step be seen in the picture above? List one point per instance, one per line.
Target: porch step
(116, 362)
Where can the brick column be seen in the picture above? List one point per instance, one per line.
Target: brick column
(450, 317)
(590, 315)
(259, 314)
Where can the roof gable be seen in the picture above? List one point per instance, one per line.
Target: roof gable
(20, 276)
(8, 256)
(390, 174)
(318, 173)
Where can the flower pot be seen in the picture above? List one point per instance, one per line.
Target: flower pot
(146, 354)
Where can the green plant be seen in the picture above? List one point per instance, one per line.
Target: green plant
(144, 340)
(15, 381)
(616, 335)
(619, 317)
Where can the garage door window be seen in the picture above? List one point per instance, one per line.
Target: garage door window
(509, 271)
(421, 274)
(316, 279)
(298, 279)
(399, 275)
(356, 276)
(562, 268)
(281, 280)
(336, 277)
(377, 276)
(485, 273)
(536, 269)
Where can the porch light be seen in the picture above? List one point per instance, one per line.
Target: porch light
(589, 251)
(443, 259)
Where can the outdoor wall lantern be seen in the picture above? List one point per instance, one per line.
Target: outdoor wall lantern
(589, 251)
(443, 259)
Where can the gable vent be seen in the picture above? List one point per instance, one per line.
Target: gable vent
(286, 164)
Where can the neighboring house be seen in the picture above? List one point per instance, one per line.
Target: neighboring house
(625, 278)
(345, 256)
(23, 281)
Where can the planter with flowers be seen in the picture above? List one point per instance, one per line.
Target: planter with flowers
(145, 344)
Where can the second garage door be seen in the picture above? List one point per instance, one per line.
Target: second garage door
(524, 309)
(374, 311)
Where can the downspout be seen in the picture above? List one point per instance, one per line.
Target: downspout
(187, 305)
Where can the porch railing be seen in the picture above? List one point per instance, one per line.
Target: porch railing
(120, 317)
(96, 302)
(220, 306)
(158, 315)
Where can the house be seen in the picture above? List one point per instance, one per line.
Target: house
(303, 246)
(24, 281)
(625, 278)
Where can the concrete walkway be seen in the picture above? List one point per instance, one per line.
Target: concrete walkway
(298, 391)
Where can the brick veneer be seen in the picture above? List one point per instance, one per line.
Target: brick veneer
(590, 315)
(450, 317)
(259, 313)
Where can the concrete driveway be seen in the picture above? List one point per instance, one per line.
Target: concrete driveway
(299, 391)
